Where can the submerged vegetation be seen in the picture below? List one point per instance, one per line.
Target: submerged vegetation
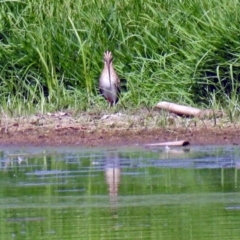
(183, 51)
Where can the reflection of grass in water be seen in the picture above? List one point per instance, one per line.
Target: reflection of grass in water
(136, 163)
(155, 201)
(137, 217)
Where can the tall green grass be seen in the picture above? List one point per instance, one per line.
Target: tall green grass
(182, 51)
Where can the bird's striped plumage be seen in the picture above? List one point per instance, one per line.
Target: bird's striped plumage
(109, 83)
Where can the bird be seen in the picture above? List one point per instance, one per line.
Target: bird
(109, 82)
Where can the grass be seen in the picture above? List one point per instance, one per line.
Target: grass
(180, 51)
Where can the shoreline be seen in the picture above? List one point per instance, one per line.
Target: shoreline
(119, 129)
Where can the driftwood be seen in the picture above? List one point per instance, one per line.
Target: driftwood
(174, 143)
(187, 111)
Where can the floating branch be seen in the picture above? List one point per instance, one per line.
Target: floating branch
(174, 143)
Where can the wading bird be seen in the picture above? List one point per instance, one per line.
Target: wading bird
(109, 83)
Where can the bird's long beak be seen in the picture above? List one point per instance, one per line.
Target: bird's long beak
(109, 74)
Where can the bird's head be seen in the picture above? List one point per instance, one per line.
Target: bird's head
(108, 57)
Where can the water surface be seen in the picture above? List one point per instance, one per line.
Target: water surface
(120, 193)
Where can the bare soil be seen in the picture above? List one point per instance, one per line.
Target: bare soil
(91, 129)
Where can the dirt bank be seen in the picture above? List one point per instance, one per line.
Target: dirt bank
(87, 129)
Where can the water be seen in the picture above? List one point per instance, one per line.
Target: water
(124, 193)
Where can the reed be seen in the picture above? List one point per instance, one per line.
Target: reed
(181, 51)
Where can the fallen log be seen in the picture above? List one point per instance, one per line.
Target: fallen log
(187, 111)
(178, 109)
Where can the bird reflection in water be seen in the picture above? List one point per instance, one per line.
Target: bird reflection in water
(112, 174)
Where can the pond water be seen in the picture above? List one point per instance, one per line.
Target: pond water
(120, 193)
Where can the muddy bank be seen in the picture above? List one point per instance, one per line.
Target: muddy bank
(62, 129)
